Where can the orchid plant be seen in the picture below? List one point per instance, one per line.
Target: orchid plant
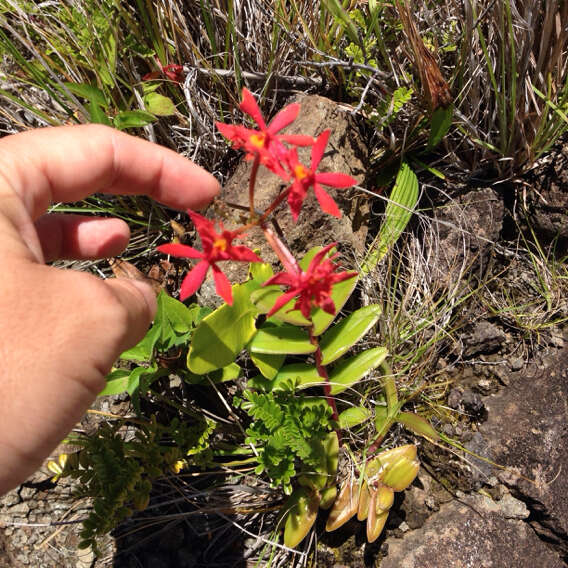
(294, 439)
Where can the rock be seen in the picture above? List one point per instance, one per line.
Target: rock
(467, 227)
(467, 534)
(517, 363)
(485, 338)
(527, 431)
(547, 207)
(345, 153)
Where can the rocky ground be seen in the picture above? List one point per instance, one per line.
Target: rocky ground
(508, 387)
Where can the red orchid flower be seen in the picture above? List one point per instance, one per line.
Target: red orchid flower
(265, 142)
(172, 71)
(305, 177)
(216, 247)
(313, 286)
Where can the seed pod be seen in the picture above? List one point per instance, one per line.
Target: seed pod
(345, 505)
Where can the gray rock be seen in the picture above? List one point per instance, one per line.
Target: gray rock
(470, 534)
(527, 432)
(485, 338)
(467, 227)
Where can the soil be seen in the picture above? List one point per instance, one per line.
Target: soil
(503, 502)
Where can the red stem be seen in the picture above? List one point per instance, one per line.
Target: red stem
(322, 372)
(252, 183)
(285, 256)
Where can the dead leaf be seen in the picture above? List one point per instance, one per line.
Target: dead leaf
(123, 269)
(435, 88)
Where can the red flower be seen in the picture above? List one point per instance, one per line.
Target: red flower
(304, 178)
(216, 247)
(265, 142)
(313, 286)
(172, 71)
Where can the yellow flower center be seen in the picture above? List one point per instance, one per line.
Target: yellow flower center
(220, 244)
(257, 140)
(301, 172)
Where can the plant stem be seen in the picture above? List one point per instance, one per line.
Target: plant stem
(252, 183)
(285, 256)
(322, 372)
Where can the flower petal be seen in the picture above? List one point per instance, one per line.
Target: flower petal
(193, 280)
(327, 305)
(281, 301)
(205, 228)
(222, 285)
(242, 253)
(319, 256)
(296, 196)
(285, 117)
(335, 179)
(318, 149)
(238, 135)
(282, 279)
(326, 202)
(250, 106)
(297, 139)
(183, 251)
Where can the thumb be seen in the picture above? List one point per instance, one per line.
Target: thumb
(138, 300)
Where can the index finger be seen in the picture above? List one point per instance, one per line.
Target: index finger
(68, 163)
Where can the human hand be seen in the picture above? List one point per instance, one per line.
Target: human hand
(61, 330)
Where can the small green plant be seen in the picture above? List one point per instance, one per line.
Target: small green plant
(117, 474)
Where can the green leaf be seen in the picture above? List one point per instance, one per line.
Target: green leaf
(400, 208)
(439, 125)
(117, 382)
(301, 511)
(340, 294)
(86, 91)
(268, 365)
(133, 119)
(337, 10)
(159, 104)
(266, 297)
(281, 340)
(354, 416)
(343, 335)
(417, 424)
(221, 335)
(228, 373)
(352, 370)
(381, 417)
(144, 350)
(174, 320)
(261, 271)
(303, 374)
(97, 114)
